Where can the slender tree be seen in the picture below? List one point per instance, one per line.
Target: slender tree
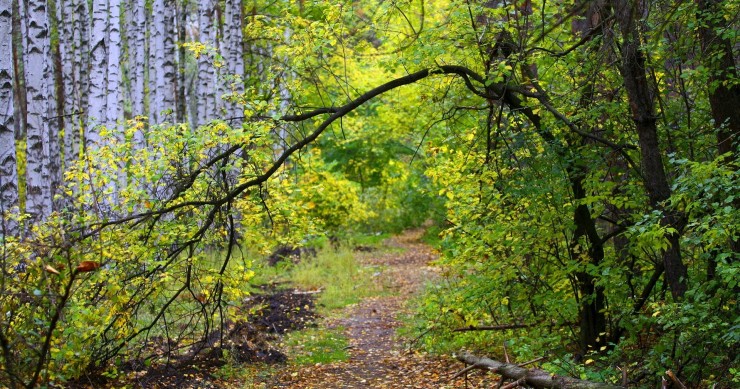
(8, 168)
(162, 74)
(231, 50)
(644, 117)
(206, 93)
(136, 39)
(37, 70)
(98, 87)
(114, 104)
(65, 20)
(76, 101)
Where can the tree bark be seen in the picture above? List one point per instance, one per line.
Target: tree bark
(138, 61)
(162, 96)
(206, 93)
(114, 101)
(232, 53)
(535, 378)
(8, 165)
(97, 96)
(78, 92)
(641, 104)
(724, 92)
(65, 20)
(40, 102)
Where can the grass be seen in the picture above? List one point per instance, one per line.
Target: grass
(342, 280)
(369, 239)
(313, 346)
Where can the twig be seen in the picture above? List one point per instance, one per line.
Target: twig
(513, 384)
(531, 362)
(319, 290)
(463, 371)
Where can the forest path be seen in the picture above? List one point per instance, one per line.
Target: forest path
(378, 358)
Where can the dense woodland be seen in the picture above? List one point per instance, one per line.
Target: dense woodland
(578, 158)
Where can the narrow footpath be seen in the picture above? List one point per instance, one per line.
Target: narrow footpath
(378, 358)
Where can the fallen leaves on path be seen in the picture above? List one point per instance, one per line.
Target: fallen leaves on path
(378, 359)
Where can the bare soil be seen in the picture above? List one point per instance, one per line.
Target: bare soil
(378, 357)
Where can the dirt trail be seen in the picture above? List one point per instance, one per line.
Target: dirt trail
(378, 358)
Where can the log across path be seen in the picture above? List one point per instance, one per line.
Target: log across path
(377, 357)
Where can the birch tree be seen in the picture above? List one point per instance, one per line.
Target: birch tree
(163, 44)
(65, 12)
(137, 63)
(8, 169)
(37, 69)
(232, 53)
(205, 92)
(98, 88)
(114, 108)
(76, 95)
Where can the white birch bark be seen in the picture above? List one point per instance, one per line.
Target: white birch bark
(114, 105)
(98, 87)
(232, 52)
(37, 72)
(80, 58)
(65, 12)
(137, 64)
(8, 166)
(206, 92)
(163, 44)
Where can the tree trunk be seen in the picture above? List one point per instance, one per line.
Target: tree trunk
(19, 90)
(593, 301)
(181, 103)
(65, 23)
(535, 378)
(40, 102)
(8, 166)
(97, 97)
(232, 53)
(163, 44)
(643, 114)
(724, 91)
(138, 61)
(77, 94)
(113, 105)
(206, 93)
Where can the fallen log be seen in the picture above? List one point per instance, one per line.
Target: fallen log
(536, 378)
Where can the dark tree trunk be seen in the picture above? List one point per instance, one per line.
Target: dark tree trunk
(641, 103)
(718, 58)
(724, 101)
(593, 319)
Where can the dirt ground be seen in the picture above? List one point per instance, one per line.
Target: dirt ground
(378, 358)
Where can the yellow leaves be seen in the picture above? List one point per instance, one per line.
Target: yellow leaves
(197, 48)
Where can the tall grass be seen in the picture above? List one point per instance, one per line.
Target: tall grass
(340, 277)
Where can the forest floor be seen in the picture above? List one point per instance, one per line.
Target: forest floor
(378, 358)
